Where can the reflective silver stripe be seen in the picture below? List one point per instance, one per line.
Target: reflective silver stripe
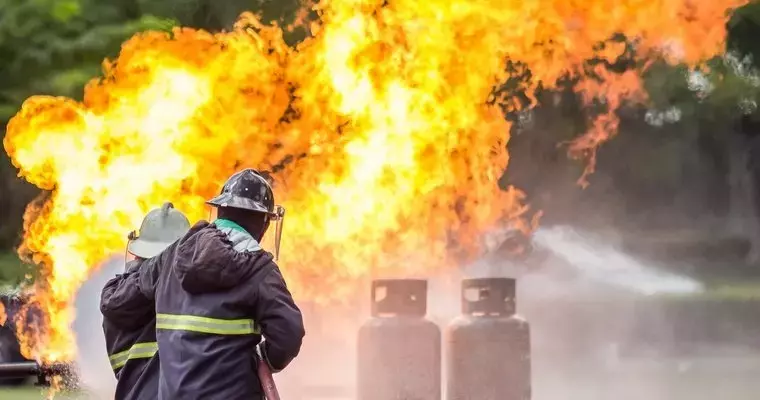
(217, 326)
(139, 350)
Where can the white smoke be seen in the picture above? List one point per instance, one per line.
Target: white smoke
(92, 359)
(571, 260)
(596, 260)
(576, 298)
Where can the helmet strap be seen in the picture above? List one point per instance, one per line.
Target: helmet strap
(212, 214)
(280, 210)
(127, 255)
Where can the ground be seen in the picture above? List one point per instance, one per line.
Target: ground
(34, 393)
(692, 378)
(721, 375)
(729, 378)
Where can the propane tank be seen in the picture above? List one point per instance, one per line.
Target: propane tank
(399, 351)
(488, 347)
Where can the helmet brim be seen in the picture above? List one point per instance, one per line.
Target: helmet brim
(146, 249)
(228, 200)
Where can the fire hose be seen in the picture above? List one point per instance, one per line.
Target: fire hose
(266, 378)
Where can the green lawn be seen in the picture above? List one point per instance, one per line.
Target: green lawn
(690, 378)
(35, 393)
(725, 290)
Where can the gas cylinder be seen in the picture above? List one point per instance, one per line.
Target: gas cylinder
(399, 351)
(488, 346)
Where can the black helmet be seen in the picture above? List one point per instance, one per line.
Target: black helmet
(247, 190)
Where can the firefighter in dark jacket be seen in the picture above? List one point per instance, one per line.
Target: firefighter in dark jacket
(217, 292)
(129, 322)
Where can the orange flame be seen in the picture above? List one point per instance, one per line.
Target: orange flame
(383, 131)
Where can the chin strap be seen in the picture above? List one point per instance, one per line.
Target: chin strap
(130, 237)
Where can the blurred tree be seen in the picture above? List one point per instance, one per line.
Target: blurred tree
(690, 157)
(221, 14)
(742, 31)
(53, 47)
(685, 134)
(681, 158)
(56, 46)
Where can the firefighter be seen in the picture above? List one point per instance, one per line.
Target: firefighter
(129, 322)
(217, 293)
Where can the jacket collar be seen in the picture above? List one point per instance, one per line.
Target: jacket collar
(240, 238)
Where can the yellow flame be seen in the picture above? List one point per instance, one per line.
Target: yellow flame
(383, 131)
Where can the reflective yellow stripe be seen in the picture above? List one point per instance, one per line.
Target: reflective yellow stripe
(139, 350)
(194, 323)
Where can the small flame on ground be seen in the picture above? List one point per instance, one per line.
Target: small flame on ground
(383, 132)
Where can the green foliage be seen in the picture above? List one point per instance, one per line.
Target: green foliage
(55, 46)
(12, 270)
(743, 28)
(221, 14)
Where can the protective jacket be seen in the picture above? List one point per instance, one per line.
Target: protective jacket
(129, 325)
(216, 293)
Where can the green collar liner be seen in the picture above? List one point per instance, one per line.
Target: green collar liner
(225, 223)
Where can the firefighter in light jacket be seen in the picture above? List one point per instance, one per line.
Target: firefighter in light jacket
(129, 317)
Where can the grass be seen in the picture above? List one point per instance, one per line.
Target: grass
(648, 379)
(35, 393)
(745, 290)
(724, 290)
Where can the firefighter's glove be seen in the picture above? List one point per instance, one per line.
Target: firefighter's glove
(261, 354)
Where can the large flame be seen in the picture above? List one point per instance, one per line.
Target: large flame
(383, 131)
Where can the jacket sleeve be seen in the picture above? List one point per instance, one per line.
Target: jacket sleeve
(280, 320)
(150, 269)
(123, 304)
